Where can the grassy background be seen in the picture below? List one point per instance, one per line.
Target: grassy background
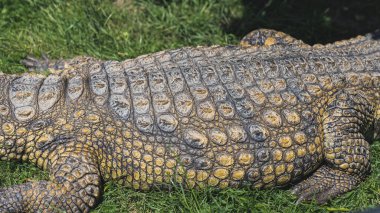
(125, 28)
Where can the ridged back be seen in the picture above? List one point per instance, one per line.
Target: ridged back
(229, 82)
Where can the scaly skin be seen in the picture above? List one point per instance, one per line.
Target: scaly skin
(267, 113)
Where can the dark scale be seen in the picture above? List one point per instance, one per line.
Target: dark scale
(269, 112)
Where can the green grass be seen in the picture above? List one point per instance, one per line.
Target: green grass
(125, 29)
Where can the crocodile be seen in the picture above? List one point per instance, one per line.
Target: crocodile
(269, 112)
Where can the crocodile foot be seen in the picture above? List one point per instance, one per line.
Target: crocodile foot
(324, 184)
(43, 64)
(267, 37)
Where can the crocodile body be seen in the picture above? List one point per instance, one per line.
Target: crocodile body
(266, 113)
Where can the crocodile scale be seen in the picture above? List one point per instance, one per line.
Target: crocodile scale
(267, 113)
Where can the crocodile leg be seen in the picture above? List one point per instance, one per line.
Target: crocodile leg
(267, 37)
(346, 150)
(74, 186)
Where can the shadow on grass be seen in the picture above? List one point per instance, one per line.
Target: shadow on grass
(312, 21)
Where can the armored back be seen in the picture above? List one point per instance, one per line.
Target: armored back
(32, 94)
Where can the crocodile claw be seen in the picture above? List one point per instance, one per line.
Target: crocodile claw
(34, 64)
(43, 64)
(323, 185)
